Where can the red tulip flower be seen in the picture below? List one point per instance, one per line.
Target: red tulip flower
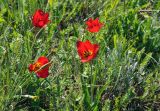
(40, 67)
(93, 26)
(86, 50)
(40, 19)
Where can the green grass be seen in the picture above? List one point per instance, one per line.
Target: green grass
(125, 75)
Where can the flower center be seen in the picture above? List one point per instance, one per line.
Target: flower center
(87, 53)
(37, 66)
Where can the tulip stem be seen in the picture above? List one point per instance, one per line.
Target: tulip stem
(48, 82)
(91, 81)
(34, 39)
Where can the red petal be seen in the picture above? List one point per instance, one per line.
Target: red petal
(41, 13)
(89, 22)
(41, 23)
(80, 48)
(89, 58)
(79, 44)
(40, 18)
(96, 21)
(94, 29)
(88, 45)
(31, 68)
(84, 60)
(93, 25)
(46, 17)
(43, 60)
(96, 49)
(43, 73)
(36, 15)
(40, 71)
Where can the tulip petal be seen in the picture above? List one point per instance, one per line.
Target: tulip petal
(40, 19)
(39, 67)
(93, 26)
(86, 50)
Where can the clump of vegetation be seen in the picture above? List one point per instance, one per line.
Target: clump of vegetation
(122, 69)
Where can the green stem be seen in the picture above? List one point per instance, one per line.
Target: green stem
(91, 76)
(48, 82)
